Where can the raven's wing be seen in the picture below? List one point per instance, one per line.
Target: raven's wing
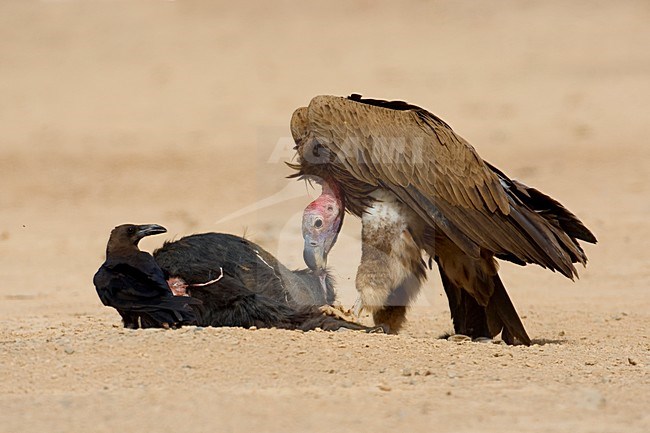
(128, 289)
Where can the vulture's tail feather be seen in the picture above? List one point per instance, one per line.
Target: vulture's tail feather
(554, 211)
(552, 228)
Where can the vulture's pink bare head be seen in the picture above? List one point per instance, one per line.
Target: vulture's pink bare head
(321, 223)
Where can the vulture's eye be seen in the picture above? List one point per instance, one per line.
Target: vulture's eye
(318, 223)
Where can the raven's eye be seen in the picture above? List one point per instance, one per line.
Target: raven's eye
(318, 223)
(131, 230)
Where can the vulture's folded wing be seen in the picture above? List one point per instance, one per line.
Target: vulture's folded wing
(418, 157)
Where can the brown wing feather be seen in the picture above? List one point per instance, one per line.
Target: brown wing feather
(419, 157)
(379, 143)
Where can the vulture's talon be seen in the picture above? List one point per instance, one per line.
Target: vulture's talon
(357, 308)
(459, 338)
(381, 329)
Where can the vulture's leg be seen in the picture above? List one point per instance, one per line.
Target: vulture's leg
(393, 312)
(468, 316)
(375, 285)
(391, 269)
(473, 285)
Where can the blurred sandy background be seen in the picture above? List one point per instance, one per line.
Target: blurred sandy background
(177, 113)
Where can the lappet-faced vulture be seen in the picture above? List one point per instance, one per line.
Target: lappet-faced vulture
(418, 186)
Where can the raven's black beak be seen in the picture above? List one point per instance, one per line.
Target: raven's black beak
(149, 229)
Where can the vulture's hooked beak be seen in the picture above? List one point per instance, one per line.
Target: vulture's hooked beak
(314, 254)
(321, 223)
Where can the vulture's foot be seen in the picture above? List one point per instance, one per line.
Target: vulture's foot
(459, 338)
(392, 317)
(381, 329)
(367, 330)
(337, 311)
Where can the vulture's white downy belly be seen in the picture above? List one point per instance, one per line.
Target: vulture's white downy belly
(389, 252)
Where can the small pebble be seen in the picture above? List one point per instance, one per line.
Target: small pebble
(383, 387)
(632, 361)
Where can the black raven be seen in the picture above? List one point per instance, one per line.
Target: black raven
(131, 282)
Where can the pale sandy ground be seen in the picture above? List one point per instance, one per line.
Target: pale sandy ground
(177, 113)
